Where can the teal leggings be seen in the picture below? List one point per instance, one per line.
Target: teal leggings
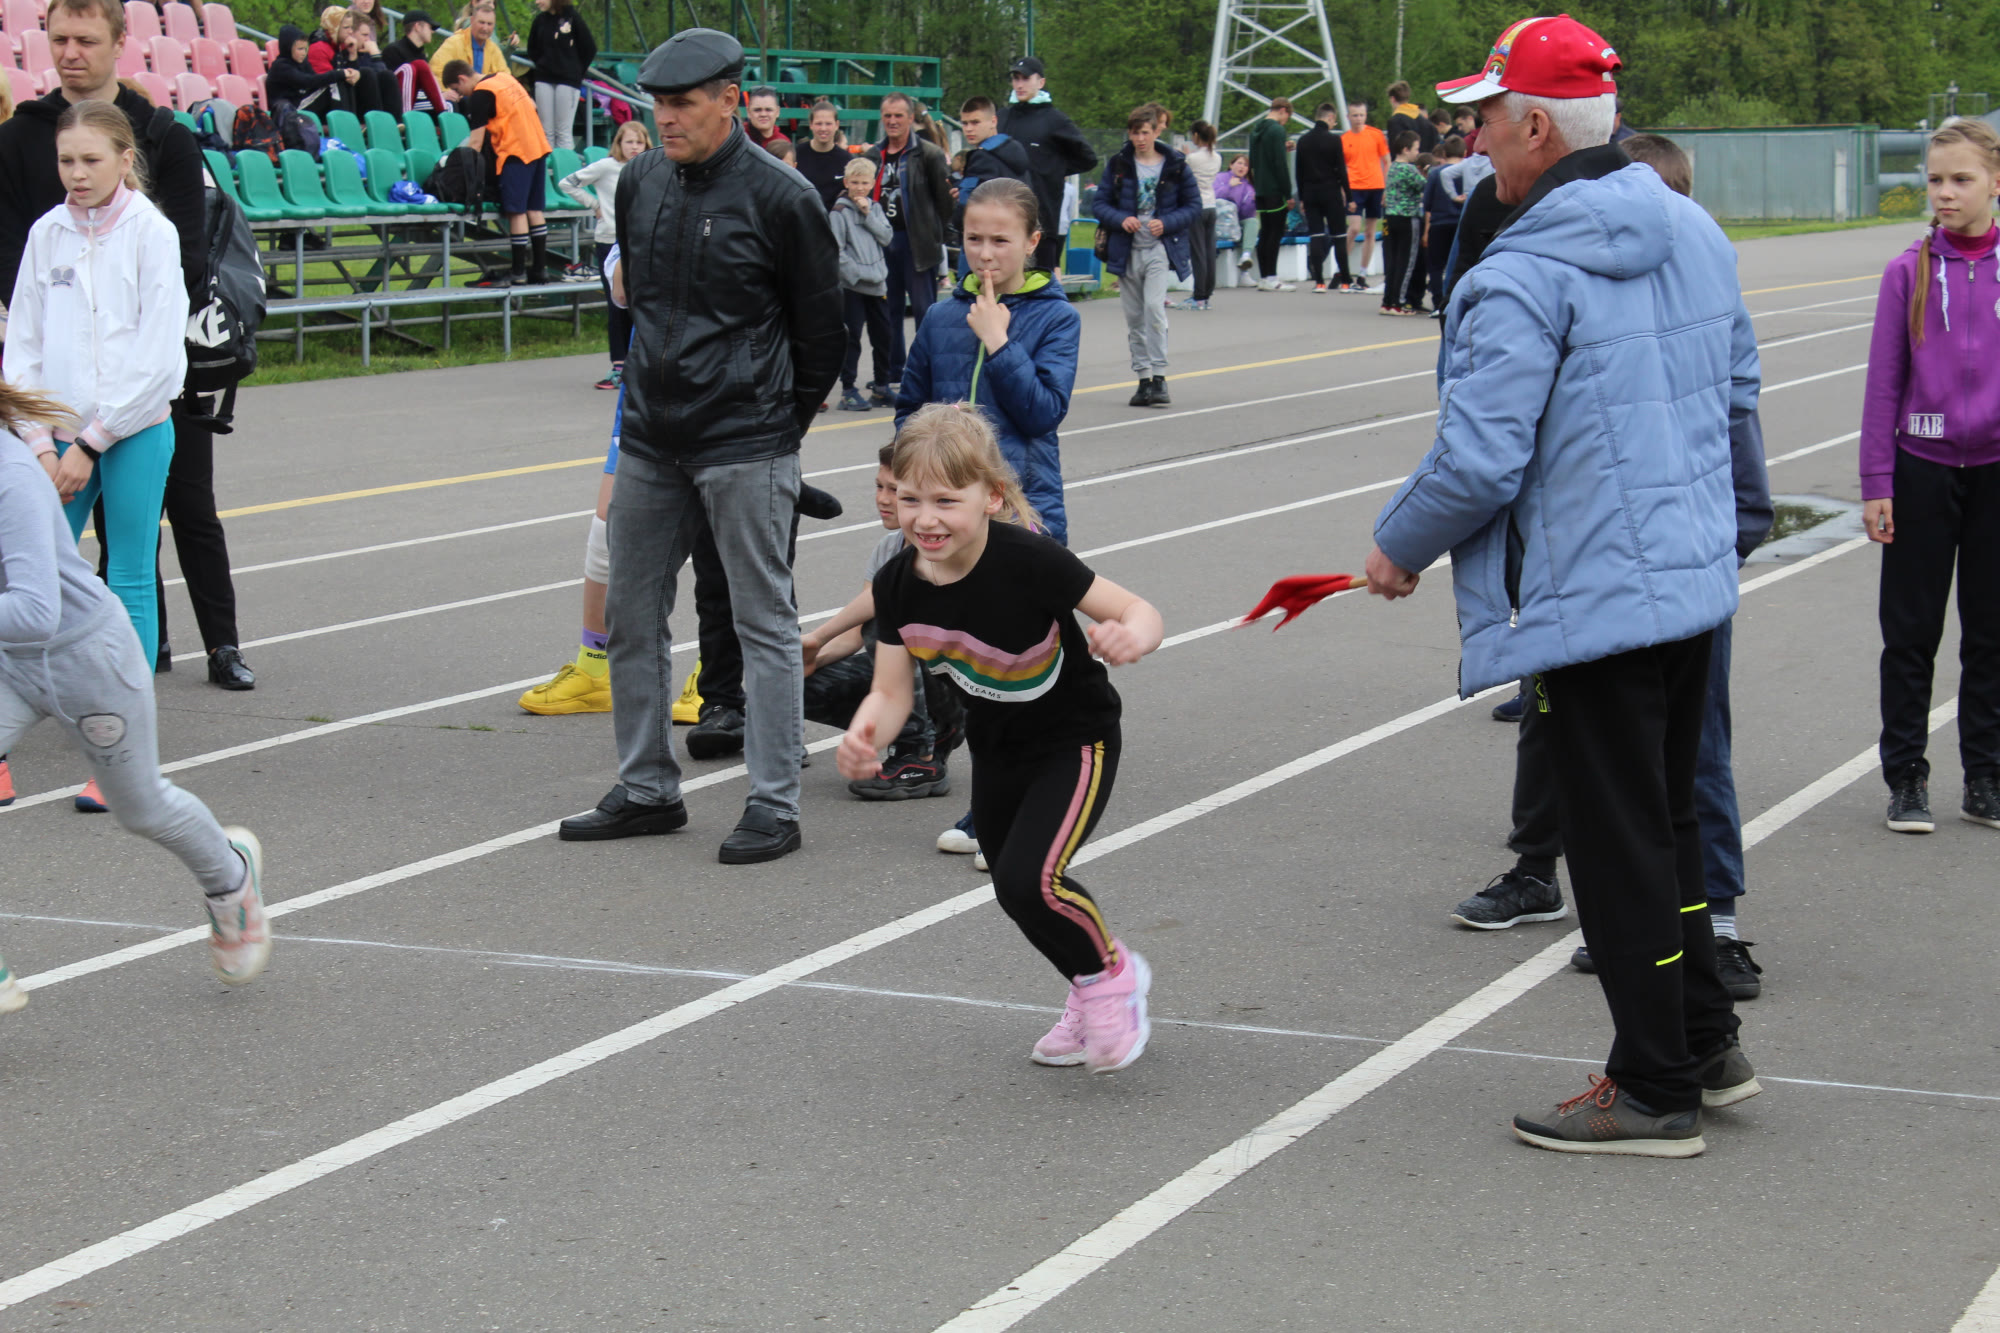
(133, 478)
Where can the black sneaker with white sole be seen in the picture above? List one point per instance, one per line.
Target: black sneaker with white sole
(1738, 970)
(1910, 805)
(1607, 1120)
(1510, 900)
(1727, 1078)
(1982, 801)
(904, 778)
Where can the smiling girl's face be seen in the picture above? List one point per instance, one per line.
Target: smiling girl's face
(91, 168)
(946, 524)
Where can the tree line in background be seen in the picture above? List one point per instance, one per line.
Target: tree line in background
(1687, 62)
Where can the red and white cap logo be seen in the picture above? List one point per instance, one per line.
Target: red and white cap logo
(1542, 57)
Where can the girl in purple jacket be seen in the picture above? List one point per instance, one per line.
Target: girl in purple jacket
(1930, 476)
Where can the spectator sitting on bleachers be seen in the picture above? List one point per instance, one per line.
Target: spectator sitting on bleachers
(376, 89)
(474, 45)
(292, 81)
(405, 59)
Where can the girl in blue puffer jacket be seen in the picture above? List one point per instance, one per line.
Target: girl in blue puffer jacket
(1006, 343)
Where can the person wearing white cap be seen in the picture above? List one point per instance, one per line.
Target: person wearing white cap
(1597, 360)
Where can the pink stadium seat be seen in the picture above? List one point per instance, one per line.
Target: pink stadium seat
(131, 60)
(218, 23)
(257, 92)
(158, 90)
(48, 83)
(246, 58)
(167, 57)
(182, 24)
(271, 52)
(236, 90)
(34, 53)
(191, 88)
(142, 23)
(209, 61)
(23, 85)
(21, 16)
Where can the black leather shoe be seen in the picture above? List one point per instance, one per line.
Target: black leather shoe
(164, 662)
(718, 734)
(619, 816)
(816, 503)
(227, 668)
(759, 836)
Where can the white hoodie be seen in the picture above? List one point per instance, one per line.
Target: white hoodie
(99, 318)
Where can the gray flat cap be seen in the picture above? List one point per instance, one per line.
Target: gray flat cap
(690, 58)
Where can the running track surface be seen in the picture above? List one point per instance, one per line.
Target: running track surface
(496, 1081)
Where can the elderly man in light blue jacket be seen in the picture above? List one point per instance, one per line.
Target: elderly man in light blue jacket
(1595, 361)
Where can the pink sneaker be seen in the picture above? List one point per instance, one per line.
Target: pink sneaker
(239, 941)
(1063, 1046)
(90, 800)
(1115, 1026)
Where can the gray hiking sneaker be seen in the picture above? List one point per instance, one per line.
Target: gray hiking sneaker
(1511, 899)
(1605, 1120)
(1727, 1078)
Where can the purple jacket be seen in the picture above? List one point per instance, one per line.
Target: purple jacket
(1940, 401)
(1238, 192)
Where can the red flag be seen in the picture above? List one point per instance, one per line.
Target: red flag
(1298, 592)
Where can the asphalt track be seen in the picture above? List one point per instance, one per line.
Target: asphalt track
(493, 1081)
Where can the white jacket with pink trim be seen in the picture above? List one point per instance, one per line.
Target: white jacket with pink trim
(99, 317)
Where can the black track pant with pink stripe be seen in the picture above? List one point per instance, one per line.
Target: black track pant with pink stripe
(1033, 813)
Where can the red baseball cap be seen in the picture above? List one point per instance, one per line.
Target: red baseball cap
(1542, 57)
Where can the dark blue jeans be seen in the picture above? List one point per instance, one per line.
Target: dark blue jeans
(912, 289)
(1715, 786)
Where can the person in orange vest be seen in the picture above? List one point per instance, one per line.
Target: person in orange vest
(503, 118)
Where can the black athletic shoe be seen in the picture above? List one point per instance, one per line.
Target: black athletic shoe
(1580, 960)
(904, 778)
(1144, 396)
(717, 735)
(759, 836)
(1607, 1120)
(619, 816)
(163, 662)
(1737, 969)
(227, 669)
(1727, 1078)
(1982, 802)
(1910, 806)
(1511, 899)
(816, 503)
(1510, 710)
(1160, 398)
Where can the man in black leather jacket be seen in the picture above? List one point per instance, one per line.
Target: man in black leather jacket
(731, 272)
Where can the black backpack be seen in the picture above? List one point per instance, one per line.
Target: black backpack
(460, 178)
(294, 130)
(228, 303)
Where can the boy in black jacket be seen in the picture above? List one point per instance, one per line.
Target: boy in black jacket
(989, 155)
(1321, 163)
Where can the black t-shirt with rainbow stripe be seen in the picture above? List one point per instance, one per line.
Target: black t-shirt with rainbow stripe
(1007, 635)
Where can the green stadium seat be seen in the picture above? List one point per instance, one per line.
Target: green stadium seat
(183, 118)
(346, 127)
(562, 161)
(385, 168)
(596, 152)
(263, 200)
(420, 162)
(383, 132)
(313, 116)
(345, 186)
(303, 188)
(627, 72)
(452, 129)
(225, 175)
(422, 129)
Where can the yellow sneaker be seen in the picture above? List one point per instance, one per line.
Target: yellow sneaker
(687, 708)
(569, 691)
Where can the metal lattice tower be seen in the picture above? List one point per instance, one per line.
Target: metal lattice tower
(1271, 48)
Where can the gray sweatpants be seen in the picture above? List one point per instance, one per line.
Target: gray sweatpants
(96, 682)
(657, 510)
(555, 104)
(1142, 290)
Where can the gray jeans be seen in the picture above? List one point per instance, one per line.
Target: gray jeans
(96, 682)
(1142, 290)
(555, 103)
(657, 511)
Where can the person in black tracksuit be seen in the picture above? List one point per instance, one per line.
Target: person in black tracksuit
(1056, 151)
(1321, 165)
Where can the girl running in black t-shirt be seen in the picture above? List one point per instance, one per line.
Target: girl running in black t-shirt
(990, 607)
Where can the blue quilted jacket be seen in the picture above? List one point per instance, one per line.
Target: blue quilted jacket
(1596, 361)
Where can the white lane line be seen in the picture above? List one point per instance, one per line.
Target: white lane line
(393, 615)
(1814, 448)
(1813, 379)
(1800, 566)
(616, 967)
(397, 546)
(1808, 337)
(1015, 1301)
(1816, 305)
(1983, 1315)
(138, 1240)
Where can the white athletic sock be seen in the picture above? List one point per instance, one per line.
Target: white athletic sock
(1725, 926)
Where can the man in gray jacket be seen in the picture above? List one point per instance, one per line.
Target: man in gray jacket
(732, 277)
